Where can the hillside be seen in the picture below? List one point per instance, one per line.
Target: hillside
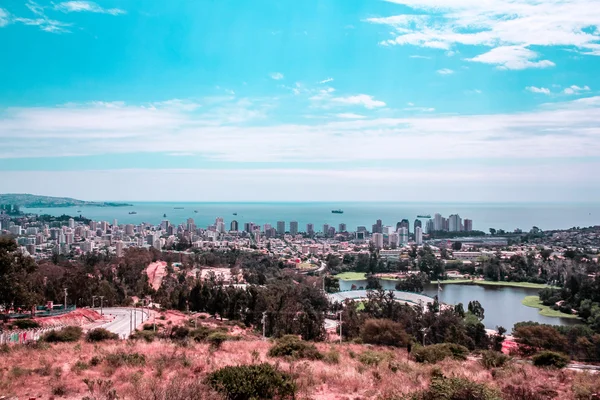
(35, 201)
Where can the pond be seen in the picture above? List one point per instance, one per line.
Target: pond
(502, 304)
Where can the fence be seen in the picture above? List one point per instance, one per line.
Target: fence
(22, 336)
(41, 314)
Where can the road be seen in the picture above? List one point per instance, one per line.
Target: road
(122, 321)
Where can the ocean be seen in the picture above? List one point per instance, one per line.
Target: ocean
(507, 216)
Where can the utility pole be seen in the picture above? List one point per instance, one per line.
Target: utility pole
(341, 327)
(134, 316)
(93, 301)
(264, 324)
(65, 289)
(101, 301)
(130, 322)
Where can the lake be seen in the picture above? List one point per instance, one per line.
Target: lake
(502, 304)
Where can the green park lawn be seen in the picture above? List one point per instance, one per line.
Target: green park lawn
(527, 285)
(351, 276)
(534, 302)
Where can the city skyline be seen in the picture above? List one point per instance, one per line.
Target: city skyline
(455, 100)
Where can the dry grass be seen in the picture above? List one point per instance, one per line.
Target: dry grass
(27, 372)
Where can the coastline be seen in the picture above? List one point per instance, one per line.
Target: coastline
(546, 311)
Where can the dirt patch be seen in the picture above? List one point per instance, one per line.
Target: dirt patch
(156, 272)
(80, 316)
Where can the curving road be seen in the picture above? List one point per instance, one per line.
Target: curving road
(123, 320)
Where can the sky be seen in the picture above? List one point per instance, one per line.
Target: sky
(314, 100)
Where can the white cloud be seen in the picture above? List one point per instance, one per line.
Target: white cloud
(512, 57)
(326, 80)
(418, 56)
(534, 89)
(350, 116)
(520, 24)
(277, 75)
(364, 100)
(3, 17)
(574, 89)
(86, 6)
(420, 109)
(474, 91)
(239, 131)
(445, 71)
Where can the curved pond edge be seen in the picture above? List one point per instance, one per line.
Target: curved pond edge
(546, 311)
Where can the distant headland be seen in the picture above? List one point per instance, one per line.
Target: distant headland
(35, 201)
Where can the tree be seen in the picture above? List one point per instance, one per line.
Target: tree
(476, 309)
(413, 283)
(498, 338)
(492, 231)
(18, 283)
(332, 284)
(373, 283)
(456, 246)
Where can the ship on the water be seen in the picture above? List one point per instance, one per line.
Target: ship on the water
(424, 216)
(337, 211)
(132, 212)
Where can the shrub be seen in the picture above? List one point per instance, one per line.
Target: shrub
(94, 361)
(100, 335)
(292, 346)
(216, 339)
(59, 390)
(148, 336)
(179, 332)
(120, 359)
(67, 334)
(79, 366)
(550, 359)
(456, 389)
(332, 356)
(438, 352)
(25, 324)
(493, 359)
(384, 332)
(259, 381)
(371, 357)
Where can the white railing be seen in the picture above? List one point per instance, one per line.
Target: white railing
(22, 336)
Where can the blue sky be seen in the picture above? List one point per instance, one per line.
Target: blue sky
(437, 100)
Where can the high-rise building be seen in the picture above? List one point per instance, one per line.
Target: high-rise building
(387, 230)
(394, 239)
(445, 224)
(115, 223)
(468, 225)
(378, 227)
(266, 227)
(454, 223)
(280, 227)
(403, 235)
(103, 225)
(342, 227)
(437, 223)
(71, 223)
(294, 228)
(331, 231)
(429, 226)
(310, 229)
(405, 224)
(361, 229)
(249, 227)
(418, 223)
(377, 239)
(419, 235)
(234, 226)
(325, 229)
(119, 248)
(129, 229)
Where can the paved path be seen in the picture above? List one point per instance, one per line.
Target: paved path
(122, 320)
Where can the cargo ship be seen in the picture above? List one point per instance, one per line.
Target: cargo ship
(337, 212)
(424, 216)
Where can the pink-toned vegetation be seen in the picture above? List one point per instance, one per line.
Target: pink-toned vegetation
(80, 316)
(59, 371)
(156, 271)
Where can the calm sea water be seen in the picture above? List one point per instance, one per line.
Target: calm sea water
(502, 305)
(484, 216)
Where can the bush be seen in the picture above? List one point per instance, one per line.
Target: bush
(373, 358)
(550, 359)
(456, 389)
(79, 366)
(100, 335)
(94, 361)
(493, 359)
(292, 346)
(179, 333)
(148, 336)
(130, 359)
(25, 324)
(246, 382)
(67, 334)
(438, 352)
(332, 356)
(216, 339)
(384, 332)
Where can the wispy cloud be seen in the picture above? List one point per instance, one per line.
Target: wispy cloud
(508, 28)
(445, 71)
(574, 89)
(418, 56)
(350, 116)
(421, 109)
(3, 17)
(276, 75)
(541, 90)
(364, 100)
(326, 80)
(86, 6)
